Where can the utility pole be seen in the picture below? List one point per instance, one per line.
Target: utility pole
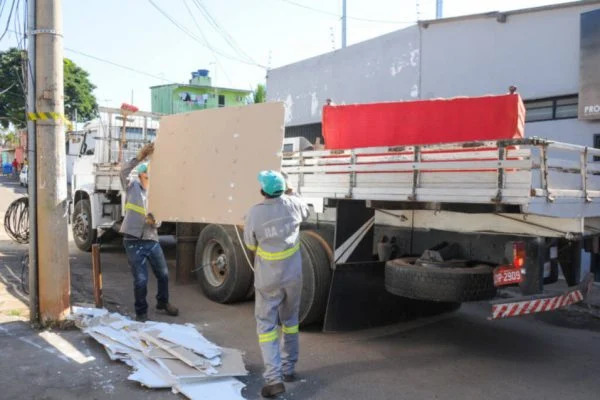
(439, 5)
(344, 17)
(53, 251)
(34, 308)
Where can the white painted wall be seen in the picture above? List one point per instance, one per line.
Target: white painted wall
(538, 52)
(381, 69)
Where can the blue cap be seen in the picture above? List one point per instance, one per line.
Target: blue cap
(271, 182)
(142, 168)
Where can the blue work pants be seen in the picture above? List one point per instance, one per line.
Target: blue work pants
(139, 254)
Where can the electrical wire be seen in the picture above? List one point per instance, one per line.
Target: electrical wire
(8, 20)
(137, 71)
(206, 41)
(228, 38)
(16, 220)
(118, 65)
(191, 35)
(318, 10)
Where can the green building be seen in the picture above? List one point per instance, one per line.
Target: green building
(199, 94)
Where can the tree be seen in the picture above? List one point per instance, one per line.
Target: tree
(78, 90)
(260, 94)
(9, 138)
(12, 99)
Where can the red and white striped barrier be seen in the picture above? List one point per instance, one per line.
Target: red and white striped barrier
(507, 310)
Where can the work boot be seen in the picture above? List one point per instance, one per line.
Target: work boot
(272, 390)
(290, 377)
(168, 308)
(141, 317)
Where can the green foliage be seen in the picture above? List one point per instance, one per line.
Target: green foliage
(78, 90)
(12, 99)
(260, 94)
(9, 138)
(78, 93)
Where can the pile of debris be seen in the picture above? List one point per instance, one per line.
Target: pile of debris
(166, 355)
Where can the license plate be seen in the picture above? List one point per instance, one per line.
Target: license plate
(507, 276)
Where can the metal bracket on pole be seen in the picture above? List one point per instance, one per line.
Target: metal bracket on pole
(45, 31)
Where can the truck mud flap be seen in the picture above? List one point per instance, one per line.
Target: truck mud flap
(358, 299)
(525, 305)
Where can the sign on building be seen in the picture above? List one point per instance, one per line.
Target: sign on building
(589, 69)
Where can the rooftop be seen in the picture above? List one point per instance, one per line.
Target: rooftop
(203, 87)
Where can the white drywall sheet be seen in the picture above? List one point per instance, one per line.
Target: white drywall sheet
(205, 163)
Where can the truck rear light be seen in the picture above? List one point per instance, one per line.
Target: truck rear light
(519, 254)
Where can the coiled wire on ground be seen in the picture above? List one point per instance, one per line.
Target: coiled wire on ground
(16, 220)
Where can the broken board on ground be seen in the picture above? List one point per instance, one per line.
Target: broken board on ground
(205, 163)
(166, 355)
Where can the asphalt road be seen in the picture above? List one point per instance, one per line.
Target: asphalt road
(460, 355)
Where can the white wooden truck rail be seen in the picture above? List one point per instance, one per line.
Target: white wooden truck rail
(542, 177)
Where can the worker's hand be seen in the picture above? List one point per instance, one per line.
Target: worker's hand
(289, 189)
(150, 219)
(145, 151)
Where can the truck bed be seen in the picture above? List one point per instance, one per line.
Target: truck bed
(539, 177)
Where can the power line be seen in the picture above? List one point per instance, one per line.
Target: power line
(318, 10)
(228, 38)
(206, 41)
(100, 59)
(191, 35)
(8, 20)
(118, 65)
(7, 89)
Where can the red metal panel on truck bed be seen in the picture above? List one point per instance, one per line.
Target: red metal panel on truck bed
(423, 122)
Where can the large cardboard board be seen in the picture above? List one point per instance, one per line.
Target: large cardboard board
(205, 163)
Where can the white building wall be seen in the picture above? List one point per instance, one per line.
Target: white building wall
(537, 51)
(382, 69)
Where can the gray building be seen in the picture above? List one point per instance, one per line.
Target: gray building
(536, 49)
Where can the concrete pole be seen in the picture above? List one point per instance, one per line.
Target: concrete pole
(344, 17)
(34, 309)
(53, 250)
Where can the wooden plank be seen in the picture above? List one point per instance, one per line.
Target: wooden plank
(218, 157)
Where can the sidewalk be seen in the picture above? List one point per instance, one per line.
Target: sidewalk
(49, 364)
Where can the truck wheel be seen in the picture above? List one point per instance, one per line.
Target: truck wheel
(221, 267)
(453, 282)
(316, 278)
(83, 233)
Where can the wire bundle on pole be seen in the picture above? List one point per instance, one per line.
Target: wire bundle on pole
(16, 220)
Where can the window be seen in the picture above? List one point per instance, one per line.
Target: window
(551, 108)
(221, 100)
(597, 145)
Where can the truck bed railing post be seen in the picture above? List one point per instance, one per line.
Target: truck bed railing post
(352, 174)
(500, 172)
(416, 175)
(544, 171)
(584, 175)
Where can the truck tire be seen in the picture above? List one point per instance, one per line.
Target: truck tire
(455, 283)
(316, 278)
(83, 233)
(221, 267)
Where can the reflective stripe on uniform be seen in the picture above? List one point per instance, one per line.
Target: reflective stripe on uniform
(289, 330)
(251, 247)
(268, 337)
(278, 255)
(136, 208)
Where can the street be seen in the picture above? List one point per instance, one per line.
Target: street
(460, 355)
